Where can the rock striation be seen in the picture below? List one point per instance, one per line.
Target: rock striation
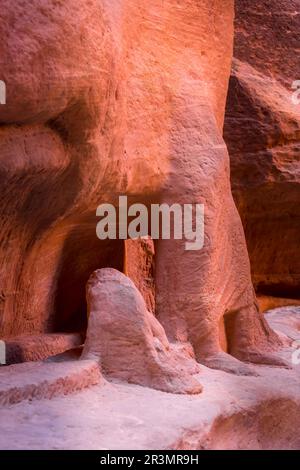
(108, 98)
(262, 131)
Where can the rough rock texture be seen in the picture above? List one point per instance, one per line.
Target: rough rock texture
(36, 348)
(128, 341)
(140, 267)
(118, 97)
(262, 130)
(37, 380)
(57, 60)
(232, 412)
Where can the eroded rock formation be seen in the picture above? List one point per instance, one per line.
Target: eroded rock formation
(107, 98)
(233, 412)
(128, 341)
(262, 130)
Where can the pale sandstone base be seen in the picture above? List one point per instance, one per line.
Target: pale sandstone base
(232, 412)
(29, 348)
(38, 380)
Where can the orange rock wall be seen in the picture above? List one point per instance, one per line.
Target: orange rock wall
(262, 130)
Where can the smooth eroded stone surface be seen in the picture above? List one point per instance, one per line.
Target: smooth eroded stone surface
(38, 380)
(231, 413)
(36, 348)
(128, 341)
(107, 98)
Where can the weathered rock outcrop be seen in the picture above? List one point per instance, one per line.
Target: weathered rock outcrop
(107, 98)
(232, 412)
(262, 130)
(127, 97)
(128, 341)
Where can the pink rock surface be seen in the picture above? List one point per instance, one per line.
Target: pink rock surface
(122, 97)
(128, 341)
(38, 380)
(139, 265)
(128, 97)
(36, 348)
(231, 413)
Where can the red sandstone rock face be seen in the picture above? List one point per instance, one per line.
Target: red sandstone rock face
(36, 348)
(139, 266)
(121, 97)
(59, 93)
(262, 130)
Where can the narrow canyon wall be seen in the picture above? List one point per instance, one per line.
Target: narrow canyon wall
(90, 98)
(58, 65)
(262, 130)
(108, 98)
